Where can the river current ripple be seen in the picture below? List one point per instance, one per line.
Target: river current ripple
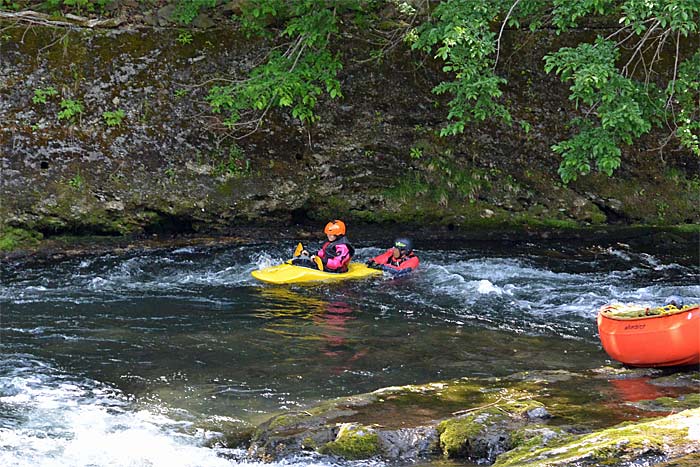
(144, 359)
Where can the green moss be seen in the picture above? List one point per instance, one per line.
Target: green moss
(325, 410)
(442, 399)
(457, 435)
(287, 420)
(611, 446)
(308, 443)
(669, 404)
(332, 207)
(546, 223)
(534, 437)
(596, 216)
(691, 460)
(687, 228)
(13, 238)
(353, 442)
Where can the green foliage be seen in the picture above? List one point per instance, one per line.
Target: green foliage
(617, 103)
(461, 36)
(187, 10)
(185, 38)
(416, 152)
(678, 16)
(77, 181)
(295, 78)
(257, 15)
(77, 6)
(619, 106)
(9, 5)
(525, 125)
(566, 14)
(686, 91)
(41, 95)
(617, 100)
(235, 165)
(622, 108)
(591, 143)
(12, 238)
(114, 118)
(71, 109)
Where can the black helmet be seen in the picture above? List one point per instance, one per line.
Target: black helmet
(675, 300)
(404, 245)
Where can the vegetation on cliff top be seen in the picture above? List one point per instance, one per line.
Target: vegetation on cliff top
(640, 73)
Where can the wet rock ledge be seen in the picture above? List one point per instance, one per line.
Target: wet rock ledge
(606, 417)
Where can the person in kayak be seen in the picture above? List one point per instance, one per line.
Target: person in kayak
(398, 260)
(335, 254)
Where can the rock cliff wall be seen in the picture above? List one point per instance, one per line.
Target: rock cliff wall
(373, 157)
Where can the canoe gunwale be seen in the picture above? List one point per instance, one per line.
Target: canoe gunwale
(611, 313)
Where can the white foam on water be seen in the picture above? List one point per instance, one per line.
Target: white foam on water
(486, 287)
(513, 288)
(519, 294)
(115, 278)
(51, 419)
(264, 260)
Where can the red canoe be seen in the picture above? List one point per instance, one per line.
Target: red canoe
(638, 336)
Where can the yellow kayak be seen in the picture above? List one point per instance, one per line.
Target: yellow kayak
(289, 274)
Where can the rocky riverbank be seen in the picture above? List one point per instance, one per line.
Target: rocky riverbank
(530, 418)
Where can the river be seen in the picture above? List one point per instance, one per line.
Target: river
(144, 358)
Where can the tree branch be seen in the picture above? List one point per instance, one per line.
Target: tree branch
(68, 21)
(500, 33)
(675, 71)
(641, 43)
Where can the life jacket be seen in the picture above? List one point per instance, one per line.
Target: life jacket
(400, 260)
(336, 259)
(396, 266)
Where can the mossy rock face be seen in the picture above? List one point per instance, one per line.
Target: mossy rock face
(690, 460)
(353, 442)
(663, 438)
(372, 157)
(12, 238)
(537, 436)
(491, 420)
(485, 433)
(669, 404)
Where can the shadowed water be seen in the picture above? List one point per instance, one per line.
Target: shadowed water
(142, 359)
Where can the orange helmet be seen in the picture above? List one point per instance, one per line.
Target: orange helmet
(335, 227)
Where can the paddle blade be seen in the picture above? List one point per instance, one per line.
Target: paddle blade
(319, 263)
(298, 249)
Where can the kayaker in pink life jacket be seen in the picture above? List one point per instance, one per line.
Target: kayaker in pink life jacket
(336, 253)
(397, 260)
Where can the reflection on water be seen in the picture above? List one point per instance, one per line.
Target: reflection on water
(328, 324)
(641, 389)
